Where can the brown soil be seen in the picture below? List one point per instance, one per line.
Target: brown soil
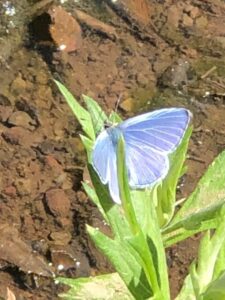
(161, 63)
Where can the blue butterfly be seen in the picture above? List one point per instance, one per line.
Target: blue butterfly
(149, 138)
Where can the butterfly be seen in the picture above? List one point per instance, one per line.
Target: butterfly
(149, 139)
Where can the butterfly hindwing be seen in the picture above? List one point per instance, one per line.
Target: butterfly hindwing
(145, 166)
(104, 162)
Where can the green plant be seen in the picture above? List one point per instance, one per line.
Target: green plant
(147, 222)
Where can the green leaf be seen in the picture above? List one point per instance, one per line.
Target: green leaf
(216, 289)
(187, 290)
(94, 197)
(204, 219)
(109, 286)
(200, 210)
(202, 273)
(81, 114)
(114, 118)
(210, 190)
(144, 203)
(88, 145)
(114, 212)
(166, 191)
(204, 281)
(98, 116)
(124, 262)
(220, 263)
(148, 256)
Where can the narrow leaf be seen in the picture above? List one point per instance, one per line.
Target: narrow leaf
(200, 210)
(81, 114)
(124, 262)
(144, 206)
(114, 118)
(113, 212)
(204, 219)
(216, 289)
(98, 116)
(166, 192)
(209, 191)
(94, 197)
(88, 145)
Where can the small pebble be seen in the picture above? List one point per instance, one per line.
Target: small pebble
(22, 119)
(58, 202)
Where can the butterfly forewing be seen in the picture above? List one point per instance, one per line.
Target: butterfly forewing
(161, 130)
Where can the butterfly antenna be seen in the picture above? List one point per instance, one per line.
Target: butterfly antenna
(118, 102)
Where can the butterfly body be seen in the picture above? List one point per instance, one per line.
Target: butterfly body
(149, 138)
(114, 133)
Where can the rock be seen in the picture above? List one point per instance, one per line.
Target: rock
(47, 146)
(18, 86)
(63, 181)
(5, 112)
(69, 257)
(52, 163)
(76, 146)
(176, 74)
(64, 222)
(20, 136)
(195, 12)
(142, 79)
(16, 252)
(201, 22)
(41, 77)
(22, 119)
(10, 191)
(117, 87)
(111, 101)
(139, 11)
(58, 202)
(174, 15)
(65, 30)
(221, 40)
(59, 128)
(192, 11)
(63, 257)
(82, 197)
(127, 105)
(95, 24)
(189, 52)
(61, 237)
(187, 21)
(40, 246)
(24, 186)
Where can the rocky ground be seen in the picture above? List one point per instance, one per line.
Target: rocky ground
(149, 53)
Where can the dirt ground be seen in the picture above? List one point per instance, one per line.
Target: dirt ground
(152, 54)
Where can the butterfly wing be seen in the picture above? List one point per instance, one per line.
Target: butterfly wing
(149, 138)
(104, 162)
(161, 130)
(145, 166)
